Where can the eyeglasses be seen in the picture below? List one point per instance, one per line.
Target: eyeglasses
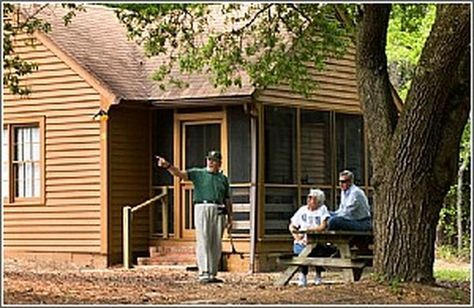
(343, 181)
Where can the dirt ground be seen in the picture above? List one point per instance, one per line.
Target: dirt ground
(28, 283)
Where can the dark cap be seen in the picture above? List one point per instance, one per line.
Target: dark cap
(214, 155)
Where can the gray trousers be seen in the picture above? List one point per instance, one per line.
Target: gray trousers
(209, 229)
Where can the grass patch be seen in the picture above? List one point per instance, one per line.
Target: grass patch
(450, 274)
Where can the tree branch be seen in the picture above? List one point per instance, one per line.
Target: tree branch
(376, 98)
(348, 23)
(303, 14)
(455, 117)
(251, 21)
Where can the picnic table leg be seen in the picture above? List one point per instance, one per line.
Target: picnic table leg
(286, 276)
(348, 274)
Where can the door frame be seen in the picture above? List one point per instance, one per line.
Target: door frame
(180, 120)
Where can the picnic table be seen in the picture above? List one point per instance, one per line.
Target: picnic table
(354, 254)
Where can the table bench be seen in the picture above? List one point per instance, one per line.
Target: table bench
(351, 261)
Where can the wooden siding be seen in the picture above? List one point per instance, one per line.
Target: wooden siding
(69, 219)
(336, 88)
(129, 165)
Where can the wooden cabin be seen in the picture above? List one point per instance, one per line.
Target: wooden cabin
(67, 173)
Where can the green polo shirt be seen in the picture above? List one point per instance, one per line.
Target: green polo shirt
(209, 186)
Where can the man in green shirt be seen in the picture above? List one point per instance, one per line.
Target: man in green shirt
(211, 198)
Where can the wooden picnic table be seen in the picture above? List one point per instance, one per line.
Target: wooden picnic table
(351, 261)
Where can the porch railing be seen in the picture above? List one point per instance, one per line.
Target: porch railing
(127, 223)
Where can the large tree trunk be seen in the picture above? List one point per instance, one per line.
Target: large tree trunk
(414, 153)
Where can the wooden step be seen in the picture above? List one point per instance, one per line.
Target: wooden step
(169, 259)
(171, 249)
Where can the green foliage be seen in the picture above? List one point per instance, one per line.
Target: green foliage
(451, 254)
(395, 284)
(465, 151)
(448, 214)
(458, 275)
(447, 221)
(409, 27)
(24, 22)
(271, 43)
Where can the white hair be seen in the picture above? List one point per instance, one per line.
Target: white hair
(318, 193)
(348, 174)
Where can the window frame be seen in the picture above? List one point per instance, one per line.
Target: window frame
(10, 125)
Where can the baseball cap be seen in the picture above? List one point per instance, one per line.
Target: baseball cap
(214, 155)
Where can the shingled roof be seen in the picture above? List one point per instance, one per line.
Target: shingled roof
(98, 42)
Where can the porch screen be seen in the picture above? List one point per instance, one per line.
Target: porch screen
(315, 148)
(280, 205)
(350, 145)
(280, 149)
(238, 145)
(200, 139)
(162, 137)
(162, 145)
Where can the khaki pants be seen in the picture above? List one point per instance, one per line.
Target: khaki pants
(209, 229)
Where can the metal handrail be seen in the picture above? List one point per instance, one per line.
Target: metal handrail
(127, 224)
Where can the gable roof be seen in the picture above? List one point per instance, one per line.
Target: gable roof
(97, 41)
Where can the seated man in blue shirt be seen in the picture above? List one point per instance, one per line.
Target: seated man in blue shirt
(354, 211)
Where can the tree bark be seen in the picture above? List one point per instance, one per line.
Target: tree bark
(413, 165)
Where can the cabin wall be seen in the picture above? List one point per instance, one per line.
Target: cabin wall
(129, 176)
(336, 88)
(66, 223)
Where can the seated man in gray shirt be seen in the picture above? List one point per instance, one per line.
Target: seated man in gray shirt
(354, 210)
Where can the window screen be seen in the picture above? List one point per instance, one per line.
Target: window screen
(239, 145)
(315, 148)
(162, 145)
(280, 205)
(280, 138)
(200, 139)
(350, 147)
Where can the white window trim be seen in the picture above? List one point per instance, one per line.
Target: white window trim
(10, 125)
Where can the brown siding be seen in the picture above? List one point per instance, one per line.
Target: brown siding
(336, 88)
(130, 158)
(69, 221)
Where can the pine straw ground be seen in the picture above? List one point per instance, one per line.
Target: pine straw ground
(28, 283)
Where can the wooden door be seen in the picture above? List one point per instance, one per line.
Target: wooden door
(198, 134)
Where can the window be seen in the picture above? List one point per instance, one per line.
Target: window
(26, 162)
(5, 169)
(23, 169)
